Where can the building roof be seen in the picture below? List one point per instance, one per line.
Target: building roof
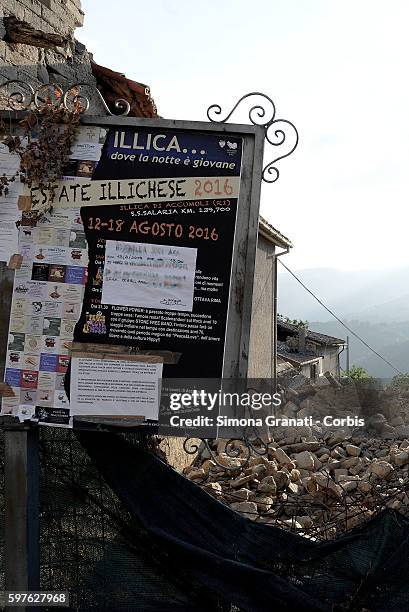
(114, 85)
(272, 234)
(295, 357)
(317, 337)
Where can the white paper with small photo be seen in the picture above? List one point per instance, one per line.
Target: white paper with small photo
(24, 412)
(60, 399)
(19, 306)
(77, 257)
(37, 290)
(27, 235)
(72, 293)
(46, 381)
(71, 310)
(62, 237)
(14, 359)
(45, 397)
(34, 326)
(58, 219)
(28, 397)
(45, 235)
(23, 273)
(18, 323)
(31, 361)
(52, 308)
(65, 346)
(67, 329)
(10, 404)
(33, 344)
(54, 292)
(50, 254)
(16, 342)
(35, 308)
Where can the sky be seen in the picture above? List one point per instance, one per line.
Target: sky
(335, 68)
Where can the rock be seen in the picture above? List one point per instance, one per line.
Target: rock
(293, 487)
(350, 462)
(317, 463)
(304, 460)
(196, 474)
(248, 509)
(282, 457)
(242, 494)
(271, 468)
(242, 480)
(359, 467)
(382, 469)
(259, 470)
(256, 461)
(292, 524)
(340, 472)
(349, 485)
(229, 462)
(310, 485)
(305, 521)
(263, 503)
(364, 486)
(352, 450)
(295, 475)
(213, 488)
(207, 465)
(402, 458)
(328, 485)
(282, 479)
(402, 431)
(268, 485)
(323, 451)
(339, 435)
(302, 446)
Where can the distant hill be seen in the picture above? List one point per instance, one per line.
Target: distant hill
(374, 303)
(390, 339)
(366, 294)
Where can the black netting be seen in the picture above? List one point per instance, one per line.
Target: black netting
(122, 531)
(90, 545)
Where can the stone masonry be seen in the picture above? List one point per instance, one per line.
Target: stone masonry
(37, 44)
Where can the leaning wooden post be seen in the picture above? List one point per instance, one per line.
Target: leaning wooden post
(22, 534)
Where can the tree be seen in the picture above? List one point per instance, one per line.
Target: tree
(296, 322)
(400, 382)
(357, 373)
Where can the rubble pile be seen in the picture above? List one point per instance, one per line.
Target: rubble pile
(316, 481)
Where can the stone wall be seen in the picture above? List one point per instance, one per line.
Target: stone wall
(37, 44)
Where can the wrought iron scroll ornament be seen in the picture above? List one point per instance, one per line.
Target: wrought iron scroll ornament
(278, 132)
(19, 95)
(236, 448)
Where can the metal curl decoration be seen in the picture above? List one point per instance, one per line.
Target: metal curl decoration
(235, 448)
(70, 99)
(74, 97)
(57, 92)
(18, 100)
(121, 103)
(262, 114)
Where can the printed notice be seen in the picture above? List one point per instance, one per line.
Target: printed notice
(9, 213)
(114, 387)
(149, 275)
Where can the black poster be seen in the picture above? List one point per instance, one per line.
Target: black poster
(191, 335)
